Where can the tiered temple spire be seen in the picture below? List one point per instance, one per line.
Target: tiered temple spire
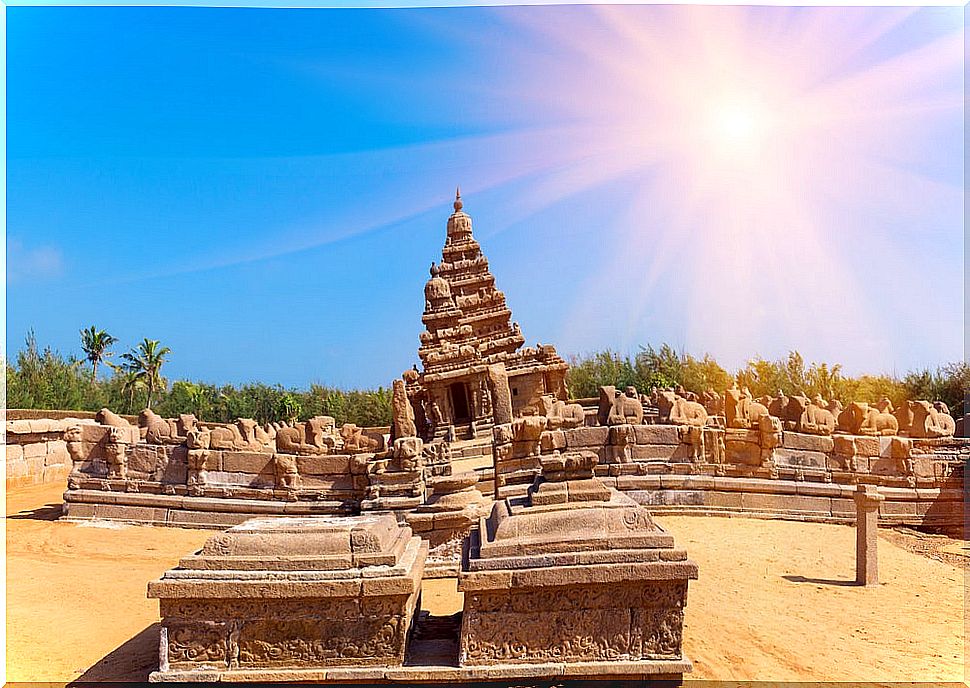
(466, 316)
(468, 328)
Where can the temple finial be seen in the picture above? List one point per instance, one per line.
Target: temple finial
(458, 203)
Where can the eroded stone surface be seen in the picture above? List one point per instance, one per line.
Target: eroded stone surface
(572, 572)
(290, 593)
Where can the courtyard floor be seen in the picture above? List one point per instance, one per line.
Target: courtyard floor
(775, 600)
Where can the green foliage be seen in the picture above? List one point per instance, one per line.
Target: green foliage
(47, 380)
(587, 375)
(146, 362)
(95, 344)
(664, 367)
(660, 368)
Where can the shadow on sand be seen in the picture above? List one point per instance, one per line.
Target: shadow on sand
(132, 661)
(48, 512)
(819, 581)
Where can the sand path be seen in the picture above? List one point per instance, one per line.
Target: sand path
(774, 601)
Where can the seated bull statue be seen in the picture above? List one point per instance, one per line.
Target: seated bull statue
(739, 409)
(713, 402)
(315, 436)
(884, 405)
(356, 441)
(526, 433)
(926, 420)
(679, 411)
(618, 408)
(159, 430)
(859, 418)
(777, 406)
(684, 394)
(243, 435)
(107, 417)
(560, 414)
(810, 418)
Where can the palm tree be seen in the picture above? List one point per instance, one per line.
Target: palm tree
(146, 361)
(131, 382)
(95, 344)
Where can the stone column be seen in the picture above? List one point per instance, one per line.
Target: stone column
(867, 500)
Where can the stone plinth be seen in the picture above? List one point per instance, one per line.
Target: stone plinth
(290, 593)
(450, 514)
(574, 572)
(867, 499)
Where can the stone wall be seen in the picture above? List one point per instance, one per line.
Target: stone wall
(786, 474)
(666, 467)
(36, 451)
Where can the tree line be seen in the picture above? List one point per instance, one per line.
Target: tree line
(665, 367)
(45, 379)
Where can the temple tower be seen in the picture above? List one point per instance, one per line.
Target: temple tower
(468, 329)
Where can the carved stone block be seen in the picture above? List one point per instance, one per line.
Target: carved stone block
(291, 593)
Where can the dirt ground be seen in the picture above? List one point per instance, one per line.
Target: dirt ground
(775, 600)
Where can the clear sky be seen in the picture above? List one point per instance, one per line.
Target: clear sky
(263, 190)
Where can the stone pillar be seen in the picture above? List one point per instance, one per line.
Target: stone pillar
(867, 500)
(501, 396)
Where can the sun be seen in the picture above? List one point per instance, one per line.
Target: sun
(737, 127)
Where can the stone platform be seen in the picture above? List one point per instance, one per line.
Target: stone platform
(574, 572)
(280, 594)
(608, 673)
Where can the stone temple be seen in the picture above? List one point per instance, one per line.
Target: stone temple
(540, 506)
(471, 344)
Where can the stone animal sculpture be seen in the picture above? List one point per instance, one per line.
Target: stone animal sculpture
(287, 474)
(198, 442)
(778, 406)
(159, 430)
(619, 409)
(859, 418)
(357, 441)
(107, 417)
(185, 423)
(407, 454)
(560, 414)
(679, 411)
(315, 436)
(810, 418)
(713, 402)
(114, 454)
(740, 411)
(929, 422)
(884, 405)
(243, 435)
(904, 417)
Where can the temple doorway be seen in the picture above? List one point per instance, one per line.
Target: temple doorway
(459, 402)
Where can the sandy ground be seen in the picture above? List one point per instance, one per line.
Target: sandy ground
(775, 600)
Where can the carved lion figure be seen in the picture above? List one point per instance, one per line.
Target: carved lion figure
(713, 402)
(287, 475)
(114, 454)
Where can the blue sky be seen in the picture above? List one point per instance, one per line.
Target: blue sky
(263, 190)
